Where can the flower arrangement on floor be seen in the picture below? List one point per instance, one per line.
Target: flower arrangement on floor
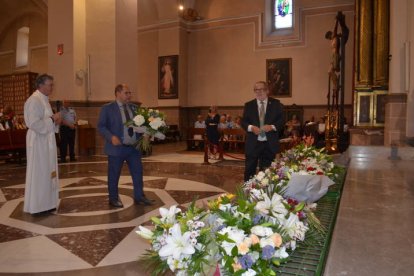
(303, 172)
(248, 234)
(149, 122)
(255, 237)
(181, 242)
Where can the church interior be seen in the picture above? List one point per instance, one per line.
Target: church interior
(342, 71)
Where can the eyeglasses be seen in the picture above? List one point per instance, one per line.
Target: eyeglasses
(260, 89)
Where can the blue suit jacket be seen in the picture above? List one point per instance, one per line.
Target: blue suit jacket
(109, 124)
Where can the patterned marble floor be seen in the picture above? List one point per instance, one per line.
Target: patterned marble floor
(372, 236)
(85, 235)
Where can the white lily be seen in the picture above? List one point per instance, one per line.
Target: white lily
(295, 228)
(168, 215)
(277, 205)
(264, 205)
(236, 235)
(145, 233)
(177, 244)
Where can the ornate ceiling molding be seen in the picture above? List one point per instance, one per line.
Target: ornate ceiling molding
(262, 41)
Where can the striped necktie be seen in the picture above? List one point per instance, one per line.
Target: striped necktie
(262, 118)
(127, 119)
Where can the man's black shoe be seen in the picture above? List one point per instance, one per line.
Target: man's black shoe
(116, 203)
(149, 199)
(143, 201)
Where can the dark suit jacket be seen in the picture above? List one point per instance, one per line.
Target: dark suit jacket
(110, 123)
(274, 116)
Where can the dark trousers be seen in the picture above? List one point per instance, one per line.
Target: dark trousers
(262, 155)
(115, 163)
(67, 139)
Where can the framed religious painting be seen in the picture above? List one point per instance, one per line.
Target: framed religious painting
(168, 77)
(279, 77)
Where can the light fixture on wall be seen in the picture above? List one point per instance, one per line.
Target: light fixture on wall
(60, 49)
(187, 11)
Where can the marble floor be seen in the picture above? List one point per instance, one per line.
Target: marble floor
(373, 235)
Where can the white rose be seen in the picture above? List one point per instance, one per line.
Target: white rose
(265, 182)
(261, 231)
(264, 242)
(156, 123)
(260, 176)
(249, 272)
(139, 120)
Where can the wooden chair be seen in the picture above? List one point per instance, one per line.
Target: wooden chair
(195, 137)
(5, 141)
(233, 139)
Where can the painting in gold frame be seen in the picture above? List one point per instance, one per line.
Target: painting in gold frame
(279, 77)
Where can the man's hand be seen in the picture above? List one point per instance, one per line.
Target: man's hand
(267, 128)
(115, 141)
(255, 130)
(57, 118)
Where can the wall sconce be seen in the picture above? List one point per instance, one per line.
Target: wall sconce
(60, 49)
(187, 11)
(80, 74)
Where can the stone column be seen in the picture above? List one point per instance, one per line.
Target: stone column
(105, 32)
(396, 107)
(409, 83)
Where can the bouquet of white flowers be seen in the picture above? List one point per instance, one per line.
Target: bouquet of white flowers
(180, 242)
(149, 122)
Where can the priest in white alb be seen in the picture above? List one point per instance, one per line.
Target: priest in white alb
(42, 184)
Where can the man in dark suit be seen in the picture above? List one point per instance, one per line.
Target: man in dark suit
(263, 122)
(119, 141)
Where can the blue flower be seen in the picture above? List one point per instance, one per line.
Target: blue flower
(246, 261)
(267, 252)
(257, 219)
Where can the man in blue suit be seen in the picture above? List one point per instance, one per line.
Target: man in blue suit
(119, 141)
(263, 122)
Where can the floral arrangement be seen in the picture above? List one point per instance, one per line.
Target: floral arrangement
(248, 234)
(308, 160)
(180, 242)
(296, 167)
(255, 237)
(149, 122)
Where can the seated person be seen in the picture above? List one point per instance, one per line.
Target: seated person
(229, 122)
(223, 122)
(292, 124)
(311, 121)
(200, 123)
(296, 139)
(237, 122)
(320, 135)
(321, 126)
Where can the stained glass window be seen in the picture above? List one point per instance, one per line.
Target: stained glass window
(282, 14)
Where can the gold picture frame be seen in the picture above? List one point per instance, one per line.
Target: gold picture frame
(279, 77)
